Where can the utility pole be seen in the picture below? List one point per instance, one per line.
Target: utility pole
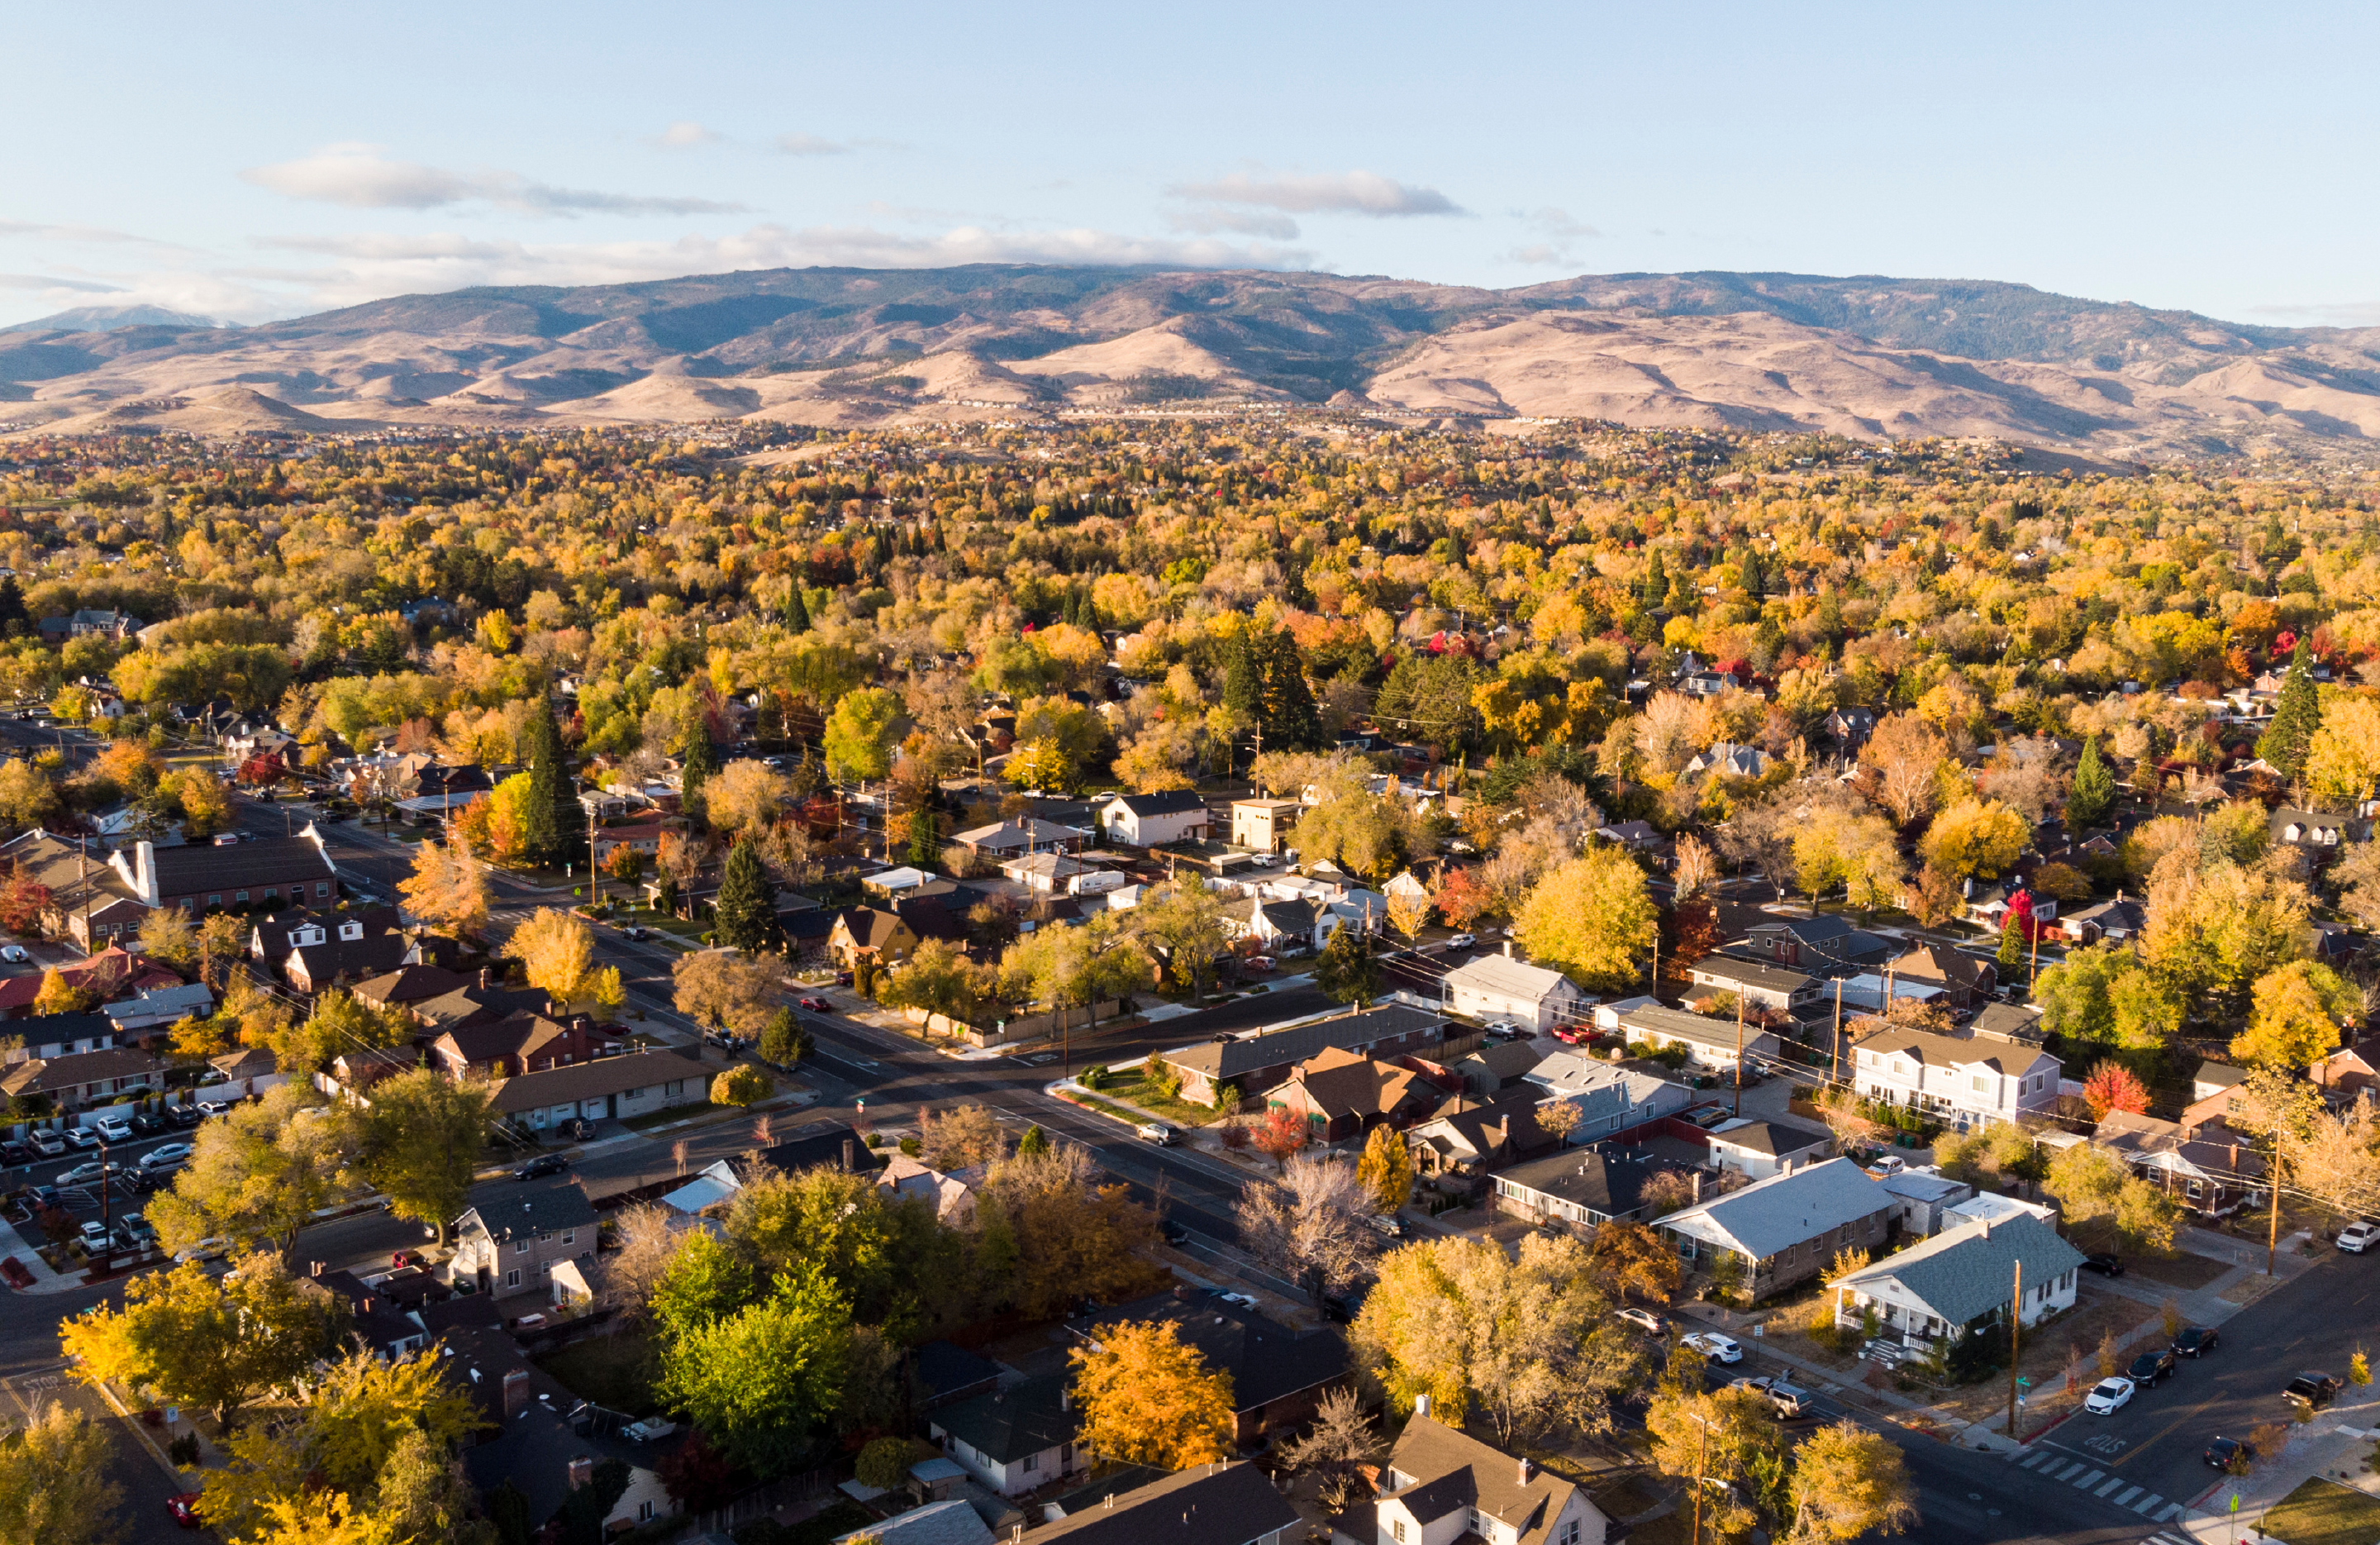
(1701, 1444)
(2033, 967)
(1739, 1054)
(2273, 1232)
(2016, 1336)
(1837, 1067)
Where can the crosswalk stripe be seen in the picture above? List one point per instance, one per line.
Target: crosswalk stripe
(2069, 1472)
(2148, 1504)
(2088, 1481)
(2172, 1511)
(2126, 1500)
(2033, 1459)
(2109, 1487)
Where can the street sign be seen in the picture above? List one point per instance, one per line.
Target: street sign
(2023, 1382)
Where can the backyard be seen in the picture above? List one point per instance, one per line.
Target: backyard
(612, 1371)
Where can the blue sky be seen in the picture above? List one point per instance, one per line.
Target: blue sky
(251, 161)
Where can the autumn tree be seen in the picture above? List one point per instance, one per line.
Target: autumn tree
(1591, 919)
(747, 797)
(448, 888)
(860, 735)
(1906, 754)
(556, 949)
(417, 1139)
(197, 1339)
(1631, 1261)
(1386, 1169)
(959, 1136)
(740, 1085)
(1975, 837)
(1847, 1484)
(1726, 1435)
(166, 934)
(1147, 1399)
(1408, 913)
(727, 989)
(1183, 920)
(1335, 1449)
(2295, 1023)
(1282, 1134)
(938, 978)
(1309, 1224)
(1073, 1236)
(56, 1480)
(55, 996)
(2110, 1086)
(258, 1174)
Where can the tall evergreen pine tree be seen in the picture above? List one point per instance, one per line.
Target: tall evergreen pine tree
(701, 759)
(1292, 721)
(746, 913)
(549, 825)
(1244, 679)
(2295, 718)
(2092, 794)
(925, 838)
(13, 616)
(797, 611)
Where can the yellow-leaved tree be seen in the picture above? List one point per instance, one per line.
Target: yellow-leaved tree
(448, 888)
(1974, 836)
(1590, 919)
(556, 949)
(1147, 1399)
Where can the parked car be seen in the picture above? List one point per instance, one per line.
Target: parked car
(1238, 1300)
(91, 1173)
(543, 1164)
(1573, 1035)
(182, 1117)
(94, 1236)
(13, 1151)
(81, 1136)
(2104, 1264)
(2355, 1238)
(14, 954)
(649, 1430)
(210, 1108)
(1886, 1165)
(1716, 1348)
(1504, 1029)
(165, 1154)
(115, 1129)
(2196, 1341)
(1154, 1132)
(1460, 941)
(2224, 1453)
(2313, 1391)
(2153, 1367)
(815, 1004)
(1788, 1399)
(2108, 1397)
(633, 931)
(147, 1126)
(49, 1145)
(183, 1508)
(1645, 1320)
(1386, 1223)
(577, 1130)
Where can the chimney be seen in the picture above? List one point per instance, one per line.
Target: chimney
(364, 1306)
(1696, 1179)
(1524, 1464)
(1421, 1405)
(316, 1269)
(1066, 1400)
(1508, 949)
(516, 1392)
(850, 1161)
(582, 1470)
(487, 979)
(1987, 1228)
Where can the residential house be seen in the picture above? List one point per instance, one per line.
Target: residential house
(89, 902)
(248, 1071)
(511, 1237)
(2345, 1075)
(157, 1006)
(1280, 926)
(1279, 1375)
(549, 1443)
(81, 1079)
(889, 936)
(1866, 992)
(1256, 1062)
(1058, 875)
(1585, 1189)
(2308, 829)
(637, 836)
(1964, 1280)
(1758, 1148)
(1468, 1137)
(1727, 759)
(1147, 820)
(263, 873)
(514, 1045)
(130, 823)
(353, 947)
(1965, 981)
(1015, 1439)
(2208, 1167)
(2211, 1091)
(57, 1035)
(1441, 1485)
(1964, 1080)
(88, 622)
(1342, 1094)
(1636, 836)
(1608, 1097)
(2114, 921)
(1498, 987)
(1991, 1207)
(274, 939)
(1786, 1229)
(1006, 839)
(1927, 1198)
(1497, 1067)
(950, 1521)
(111, 974)
(951, 1196)
(1826, 945)
(941, 1372)
(408, 985)
(1848, 728)
(1208, 1504)
(1712, 1045)
(1263, 825)
(1759, 983)
(608, 1088)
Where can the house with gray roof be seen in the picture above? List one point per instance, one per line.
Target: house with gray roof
(952, 1521)
(1963, 1080)
(1825, 945)
(1758, 982)
(1497, 987)
(1757, 1148)
(1927, 1198)
(1609, 1097)
(1014, 1439)
(1961, 1280)
(1440, 1484)
(1208, 1504)
(1712, 1045)
(1585, 1190)
(1787, 1228)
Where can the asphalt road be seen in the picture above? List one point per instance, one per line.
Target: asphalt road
(2158, 1440)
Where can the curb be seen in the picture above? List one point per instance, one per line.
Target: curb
(172, 1471)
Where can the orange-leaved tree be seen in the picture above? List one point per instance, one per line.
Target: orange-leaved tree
(1147, 1399)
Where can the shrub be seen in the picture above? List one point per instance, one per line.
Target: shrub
(1235, 1135)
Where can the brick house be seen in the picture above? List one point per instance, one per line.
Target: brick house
(268, 871)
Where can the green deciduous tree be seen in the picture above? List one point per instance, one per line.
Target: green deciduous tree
(761, 1381)
(256, 1176)
(1346, 969)
(417, 1142)
(206, 1340)
(859, 735)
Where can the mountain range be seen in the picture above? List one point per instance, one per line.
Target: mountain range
(1867, 357)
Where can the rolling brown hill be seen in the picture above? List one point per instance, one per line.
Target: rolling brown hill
(1866, 356)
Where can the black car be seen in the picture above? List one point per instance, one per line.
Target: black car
(2313, 1391)
(2196, 1341)
(2152, 1368)
(545, 1163)
(2106, 1265)
(182, 1116)
(2223, 1453)
(1174, 1233)
(13, 1152)
(148, 1125)
(577, 1130)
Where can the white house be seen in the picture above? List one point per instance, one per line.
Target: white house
(1965, 1080)
(1014, 1439)
(1961, 1278)
(1926, 1198)
(1441, 1485)
(1146, 819)
(1499, 987)
(1712, 1045)
(1757, 1148)
(1759, 983)
(1608, 1099)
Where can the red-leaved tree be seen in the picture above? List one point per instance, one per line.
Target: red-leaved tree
(2113, 1087)
(1281, 1133)
(1459, 899)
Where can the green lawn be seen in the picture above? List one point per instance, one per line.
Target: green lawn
(1182, 1113)
(651, 1119)
(2324, 1513)
(615, 1372)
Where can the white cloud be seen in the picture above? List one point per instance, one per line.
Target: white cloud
(360, 177)
(91, 233)
(810, 144)
(1561, 235)
(1335, 193)
(684, 134)
(1206, 220)
(52, 282)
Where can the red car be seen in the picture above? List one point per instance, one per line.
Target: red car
(1574, 1035)
(816, 1005)
(183, 1506)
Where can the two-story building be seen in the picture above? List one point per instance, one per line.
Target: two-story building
(1441, 1486)
(1757, 1149)
(1147, 820)
(1609, 1097)
(1968, 1080)
(1263, 825)
(1825, 945)
(512, 1237)
(267, 871)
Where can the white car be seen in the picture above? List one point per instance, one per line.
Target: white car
(90, 1173)
(1238, 1300)
(1716, 1348)
(1645, 1320)
(1886, 1165)
(1155, 1132)
(115, 1129)
(1460, 942)
(164, 1155)
(1504, 1027)
(651, 1429)
(2355, 1238)
(14, 954)
(2107, 1396)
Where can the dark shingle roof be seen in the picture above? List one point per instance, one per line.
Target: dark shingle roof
(1609, 1182)
(265, 862)
(508, 1209)
(1230, 1059)
(1772, 1138)
(1213, 1504)
(1006, 1425)
(1179, 801)
(589, 1080)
